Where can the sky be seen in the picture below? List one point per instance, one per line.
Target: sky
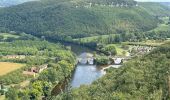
(153, 0)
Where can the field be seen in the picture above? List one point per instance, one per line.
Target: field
(2, 97)
(148, 42)
(119, 49)
(6, 67)
(93, 38)
(7, 35)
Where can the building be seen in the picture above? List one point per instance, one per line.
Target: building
(15, 57)
(42, 67)
(29, 73)
(118, 61)
(35, 70)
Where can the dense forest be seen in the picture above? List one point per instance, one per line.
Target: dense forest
(31, 33)
(64, 20)
(144, 77)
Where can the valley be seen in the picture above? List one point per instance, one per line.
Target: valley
(84, 50)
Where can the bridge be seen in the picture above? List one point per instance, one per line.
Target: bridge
(85, 58)
(119, 60)
(88, 58)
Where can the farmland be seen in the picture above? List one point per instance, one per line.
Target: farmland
(7, 67)
(2, 97)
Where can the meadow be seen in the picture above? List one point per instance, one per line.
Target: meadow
(2, 97)
(7, 67)
(8, 35)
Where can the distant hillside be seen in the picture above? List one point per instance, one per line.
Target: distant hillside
(166, 3)
(64, 18)
(6, 3)
(156, 9)
(109, 2)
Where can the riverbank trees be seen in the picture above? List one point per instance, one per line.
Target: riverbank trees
(144, 77)
(60, 62)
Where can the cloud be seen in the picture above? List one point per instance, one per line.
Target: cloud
(153, 0)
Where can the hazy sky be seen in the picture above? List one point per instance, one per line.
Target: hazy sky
(153, 0)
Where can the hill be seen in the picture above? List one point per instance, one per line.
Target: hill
(67, 19)
(142, 78)
(6, 3)
(156, 9)
(166, 3)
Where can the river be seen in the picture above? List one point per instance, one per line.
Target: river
(86, 74)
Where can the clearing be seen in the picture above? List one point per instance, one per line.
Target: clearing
(7, 67)
(8, 35)
(2, 97)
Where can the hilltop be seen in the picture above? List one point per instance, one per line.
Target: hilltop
(7, 3)
(67, 19)
(156, 9)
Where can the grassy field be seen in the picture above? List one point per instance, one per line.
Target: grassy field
(119, 49)
(94, 38)
(148, 42)
(2, 97)
(6, 67)
(7, 35)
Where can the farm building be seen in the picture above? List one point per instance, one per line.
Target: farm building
(15, 57)
(35, 70)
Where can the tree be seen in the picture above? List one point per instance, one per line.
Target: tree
(1, 37)
(118, 39)
(36, 90)
(12, 94)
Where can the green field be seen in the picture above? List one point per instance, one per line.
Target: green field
(93, 38)
(148, 42)
(119, 49)
(8, 35)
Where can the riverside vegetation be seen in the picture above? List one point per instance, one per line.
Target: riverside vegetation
(35, 29)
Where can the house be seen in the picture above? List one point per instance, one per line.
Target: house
(29, 73)
(42, 67)
(15, 57)
(35, 70)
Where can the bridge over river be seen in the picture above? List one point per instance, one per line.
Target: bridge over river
(88, 58)
(85, 58)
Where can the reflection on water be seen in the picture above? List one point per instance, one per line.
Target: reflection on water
(85, 75)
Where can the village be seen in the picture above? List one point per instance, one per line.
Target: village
(134, 50)
(32, 72)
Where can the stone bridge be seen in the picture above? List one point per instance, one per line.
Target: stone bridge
(85, 58)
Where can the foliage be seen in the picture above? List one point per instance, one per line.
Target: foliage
(102, 60)
(144, 77)
(36, 53)
(62, 20)
(156, 9)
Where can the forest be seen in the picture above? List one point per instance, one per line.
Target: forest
(67, 21)
(33, 34)
(144, 77)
